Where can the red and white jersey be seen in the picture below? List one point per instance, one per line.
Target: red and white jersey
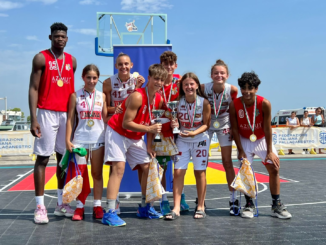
(84, 133)
(243, 126)
(50, 95)
(186, 113)
(121, 90)
(142, 116)
(223, 115)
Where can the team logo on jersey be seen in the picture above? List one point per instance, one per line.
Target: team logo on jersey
(198, 116)
(174, 91)
(202, 143)
(131, 26)
(183, 108)
(68, 67)
(144, 110)
(129, 91)
(52, 65)
(98, 96)
(87, 115)
(241, 113)
(98, 103)
(198, 108)
(203, 163)
(116, 85)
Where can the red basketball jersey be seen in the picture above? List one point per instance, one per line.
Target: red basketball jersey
(142, 116)
(50, 95)
(243, 126)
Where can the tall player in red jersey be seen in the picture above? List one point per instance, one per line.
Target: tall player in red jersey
(250, 117)
(124, 142)
(51, 83)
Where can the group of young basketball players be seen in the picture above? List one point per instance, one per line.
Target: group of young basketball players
(112, 125)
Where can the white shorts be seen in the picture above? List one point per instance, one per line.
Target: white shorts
(259, 148)
(122, 149)
(223, 136)
(92, 147)
(53, 133)
(197, 150)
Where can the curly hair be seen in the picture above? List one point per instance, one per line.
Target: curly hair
(195, 78)
(57, 26)
(220, 62)
(168, 56)
(250, 78)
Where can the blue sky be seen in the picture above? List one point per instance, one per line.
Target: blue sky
(284, 42)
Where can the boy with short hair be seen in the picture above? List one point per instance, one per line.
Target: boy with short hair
(250, 117)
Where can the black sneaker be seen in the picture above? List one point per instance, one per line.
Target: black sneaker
(279, 211)
(248, 210)
(234, 208)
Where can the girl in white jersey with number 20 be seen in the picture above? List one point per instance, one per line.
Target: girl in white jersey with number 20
(194, 114)
(90, 107)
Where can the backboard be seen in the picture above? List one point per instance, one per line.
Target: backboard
(129, 29)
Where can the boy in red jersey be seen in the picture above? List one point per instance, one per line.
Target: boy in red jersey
(124, 142)
(51, 83)
(250, 117)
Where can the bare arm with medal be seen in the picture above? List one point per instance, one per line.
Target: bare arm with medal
(206, 122)
(235, 131)
(35, 79)
(70, 121)
(267, 108)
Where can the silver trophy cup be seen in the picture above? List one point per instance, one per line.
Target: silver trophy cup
(157, 114)
(173, 105)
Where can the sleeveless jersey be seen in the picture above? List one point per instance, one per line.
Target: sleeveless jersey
(292, 121)
(166, 127)
(243, 126)
(185, 121)
(84, 133)
(142, 116)
(50, 95)
(120, 90)
(318, 120)
(223, 116)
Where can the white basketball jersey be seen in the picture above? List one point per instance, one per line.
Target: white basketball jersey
(84, 133)
(186, 115)
(121, 90)
(223, 115)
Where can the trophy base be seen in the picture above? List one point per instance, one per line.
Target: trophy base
(157, 140)
(176, 131)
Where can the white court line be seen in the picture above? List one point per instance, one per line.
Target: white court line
(20, 176)
(132, 212)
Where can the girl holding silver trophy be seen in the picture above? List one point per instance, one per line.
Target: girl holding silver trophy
(194, 114)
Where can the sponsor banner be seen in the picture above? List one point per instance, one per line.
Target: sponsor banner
(16, 143)
(301, 137)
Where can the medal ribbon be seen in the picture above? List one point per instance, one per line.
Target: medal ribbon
(123, 83)
(219, 106)
(149, 106)
(93, 105)
(166, 101)
(56, 63)
(193, 116)
(244, 106)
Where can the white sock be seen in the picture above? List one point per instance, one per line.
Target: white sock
(59, 191)
(39, 200)
(79, 204)
(233, 196)
(164, 197)
(97, 203)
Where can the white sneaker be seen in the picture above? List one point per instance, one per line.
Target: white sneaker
(248, 211)
(280, 212)
(303, 152)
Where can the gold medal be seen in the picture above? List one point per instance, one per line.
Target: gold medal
(216, 124)
(167, 114)
(90, 123)
(253, 138)
(60, 83)
(135, 74)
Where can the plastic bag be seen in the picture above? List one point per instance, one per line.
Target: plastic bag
(154, 188)
(245, 180)
(74, 187)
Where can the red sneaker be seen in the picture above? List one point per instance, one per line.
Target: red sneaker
(79, 214)
(98, 212)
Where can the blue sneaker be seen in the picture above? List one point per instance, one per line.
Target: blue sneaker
(165, 207)
(148, 212)
(183, 205)
(112, 219)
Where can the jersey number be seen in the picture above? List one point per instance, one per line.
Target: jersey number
(201, 153)
(183, 116)
(117, 94)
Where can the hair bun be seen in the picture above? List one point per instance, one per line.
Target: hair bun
(220, 62)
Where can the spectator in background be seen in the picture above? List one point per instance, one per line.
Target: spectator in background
(305, 122)
(318, 121)
(292, 123)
